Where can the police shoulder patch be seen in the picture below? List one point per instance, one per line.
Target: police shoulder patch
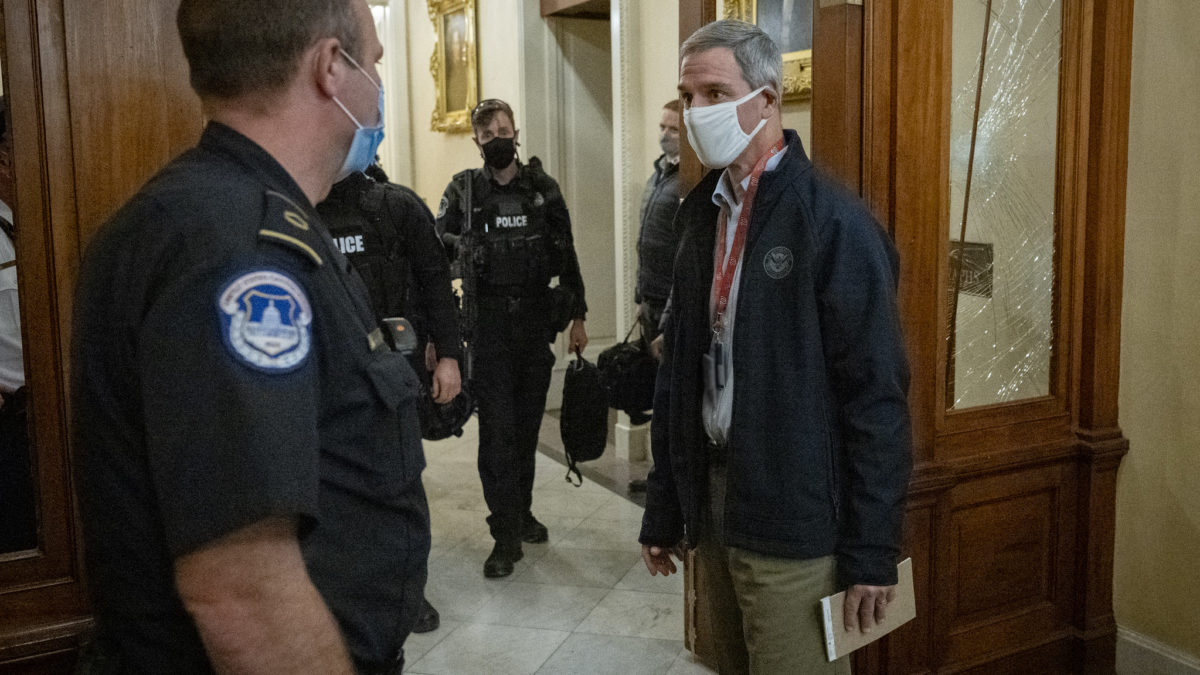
(286, 223)
(266, 320)
(443, 207)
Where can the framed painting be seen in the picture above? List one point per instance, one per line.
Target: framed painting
(454, 64)
(790, 25)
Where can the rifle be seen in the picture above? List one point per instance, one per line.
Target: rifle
(468, 310)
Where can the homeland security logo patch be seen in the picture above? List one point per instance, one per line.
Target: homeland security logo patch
(778, 262)
(266, 320)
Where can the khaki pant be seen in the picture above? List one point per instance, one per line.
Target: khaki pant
(765, 612)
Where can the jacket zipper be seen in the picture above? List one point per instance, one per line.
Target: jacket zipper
(830, 466)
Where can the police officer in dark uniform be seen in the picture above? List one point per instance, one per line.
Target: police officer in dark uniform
(508, 222)
(387, 232)
(248, 450)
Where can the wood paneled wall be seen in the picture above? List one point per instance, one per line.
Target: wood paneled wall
(100, 100)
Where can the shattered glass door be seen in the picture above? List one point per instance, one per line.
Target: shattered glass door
(1003, 144)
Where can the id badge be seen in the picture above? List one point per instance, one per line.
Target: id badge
(714, 369)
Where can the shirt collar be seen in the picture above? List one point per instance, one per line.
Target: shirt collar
(728, 196)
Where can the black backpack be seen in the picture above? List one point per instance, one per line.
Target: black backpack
(584, 423)
(627, 373)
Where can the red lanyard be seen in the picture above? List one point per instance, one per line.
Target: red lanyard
(723, 274)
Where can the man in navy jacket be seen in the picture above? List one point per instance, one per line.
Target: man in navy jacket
(781, 434)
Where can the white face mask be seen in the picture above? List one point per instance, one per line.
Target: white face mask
(715, 133)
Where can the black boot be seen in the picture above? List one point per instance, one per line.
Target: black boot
(533, 532)
(429, 619)
(500, 562)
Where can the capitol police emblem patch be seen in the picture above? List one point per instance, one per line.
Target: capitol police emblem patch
(778, 262)
(266, 320)
(443, 207)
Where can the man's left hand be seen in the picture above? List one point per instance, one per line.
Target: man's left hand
(866, 606)
(446, 381)
(578, 336)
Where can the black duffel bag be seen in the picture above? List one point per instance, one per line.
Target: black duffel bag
(584, 423)
(627, 373)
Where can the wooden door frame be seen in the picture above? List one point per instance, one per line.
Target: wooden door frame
(99, 100)
(43, 604)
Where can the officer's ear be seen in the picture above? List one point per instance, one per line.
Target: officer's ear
(516, 136)
(322, 60)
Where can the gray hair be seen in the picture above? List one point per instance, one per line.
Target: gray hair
(755, 52)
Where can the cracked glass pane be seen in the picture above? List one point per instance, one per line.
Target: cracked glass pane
(1002, 262)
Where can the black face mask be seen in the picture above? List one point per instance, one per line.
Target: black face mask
(498, 153)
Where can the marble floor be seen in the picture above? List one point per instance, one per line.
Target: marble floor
(581, 603)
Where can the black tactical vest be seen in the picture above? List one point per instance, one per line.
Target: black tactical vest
(516, 250)
(357, 216)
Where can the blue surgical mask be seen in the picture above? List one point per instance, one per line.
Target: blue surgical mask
(366, 139)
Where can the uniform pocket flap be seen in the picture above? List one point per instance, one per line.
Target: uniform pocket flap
(394, 380)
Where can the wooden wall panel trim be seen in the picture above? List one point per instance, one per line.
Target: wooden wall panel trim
(878, 66)
(43, 604)
(1097, 504)
(1070, 203)
(1111, 63)
(919, 142)
(51, 637)
(693, 14)
(38, 133)
(1023, 570)
(837, 111)
(127, 71)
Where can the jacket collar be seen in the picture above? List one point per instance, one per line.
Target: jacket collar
(773, 184)
(771, 187)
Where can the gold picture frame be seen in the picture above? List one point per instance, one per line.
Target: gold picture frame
(454, 64)
(797, 64)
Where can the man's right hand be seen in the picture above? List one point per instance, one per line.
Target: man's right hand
(656, 347)
(658, 559)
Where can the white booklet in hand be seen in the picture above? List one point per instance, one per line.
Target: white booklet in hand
(901, 610)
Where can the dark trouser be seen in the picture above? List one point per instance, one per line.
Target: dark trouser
(18, 521)
(512, 376)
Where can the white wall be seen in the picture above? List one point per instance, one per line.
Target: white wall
(1158, 488)
(437, 156)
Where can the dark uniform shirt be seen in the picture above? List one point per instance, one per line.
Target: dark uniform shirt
(223, 374)
(523, 229)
